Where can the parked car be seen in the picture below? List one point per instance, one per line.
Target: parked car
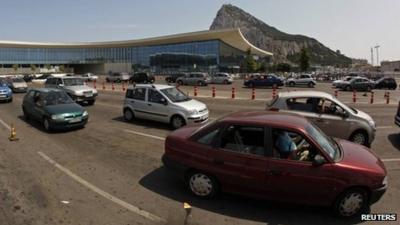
(89, 77)
(386, 82)
(269, 80)
(28, 77)
(75, 87)
(221, 78)
(171, 78)
(5, 92)
(163, 103)
(340, 83)
(304, 79)
(358, 84)
(141, 78)
(40, 79)
(18, 85)
(200, 79)
(328, 113)
(118, 77)
(245, 153)
(54, 109)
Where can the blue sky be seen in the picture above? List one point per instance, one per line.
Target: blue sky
(352, 26)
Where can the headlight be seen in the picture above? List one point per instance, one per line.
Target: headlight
(193, 112)
(57, 117)
(385, 181)
(371, 123)
(85, 114)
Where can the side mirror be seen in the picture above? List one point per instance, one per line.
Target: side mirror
(318, 160)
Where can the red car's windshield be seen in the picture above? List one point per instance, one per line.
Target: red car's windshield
(327, 144)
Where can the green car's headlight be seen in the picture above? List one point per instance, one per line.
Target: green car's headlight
(57, 117)
(85, 113)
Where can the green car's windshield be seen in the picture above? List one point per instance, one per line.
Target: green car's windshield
(73, 82)
(57, 98)
(175, 95)
(327, 144)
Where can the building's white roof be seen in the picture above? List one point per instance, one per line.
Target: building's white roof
(232, 37)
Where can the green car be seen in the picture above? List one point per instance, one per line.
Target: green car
(54, 109)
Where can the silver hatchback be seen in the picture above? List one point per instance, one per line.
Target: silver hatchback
(328, 113)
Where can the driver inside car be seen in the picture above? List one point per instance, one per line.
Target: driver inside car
(288, 149)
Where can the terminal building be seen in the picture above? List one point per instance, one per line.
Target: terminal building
(207, 51)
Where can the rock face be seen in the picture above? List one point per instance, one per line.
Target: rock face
(285, 47)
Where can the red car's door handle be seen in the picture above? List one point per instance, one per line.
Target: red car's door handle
(275, 172)
(218, 161)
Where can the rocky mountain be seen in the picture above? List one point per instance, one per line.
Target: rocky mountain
(285, 47)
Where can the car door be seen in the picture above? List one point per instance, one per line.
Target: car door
(239, 160)
(331, 119)
(28, 103)
(137, 100)
(38, 106)
(157, 106)
(298, 180)
(304, 106)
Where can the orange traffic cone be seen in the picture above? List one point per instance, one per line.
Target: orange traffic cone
(13, 134)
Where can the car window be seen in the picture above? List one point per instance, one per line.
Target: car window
(302, 104)
(289, 145)
(129, 93)
(243, 139)
(30, 94)
(208, 138)
(139, 94)
(326, 106)
(50, 81)
(154, 96)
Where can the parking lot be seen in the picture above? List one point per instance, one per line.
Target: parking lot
(111, 173)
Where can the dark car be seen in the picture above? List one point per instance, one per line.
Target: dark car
(276, 156)
(358, 84)
(397, 117)
(141, 78)
(264, 81)
(386, 83)
(171, 78)
(54, 109)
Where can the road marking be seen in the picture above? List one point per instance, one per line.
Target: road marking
(145, 135)
(384, 127)
(101, 192)
(391, 160)
(5, 124)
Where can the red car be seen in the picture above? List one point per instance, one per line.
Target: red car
(276, 156)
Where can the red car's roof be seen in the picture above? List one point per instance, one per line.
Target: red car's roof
(267, 118)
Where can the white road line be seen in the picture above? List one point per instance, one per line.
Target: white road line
(5, 124)
(391, 160)
(145, 135)
(384, 127)
(101, 192)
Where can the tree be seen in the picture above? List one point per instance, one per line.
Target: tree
(283, 67)
(48, 66)
(33, 68)
(61, 68)
(15, 67)
(250, 63)
(304, 60)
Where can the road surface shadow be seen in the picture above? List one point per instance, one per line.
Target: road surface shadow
(395, 140)
(37, 125)
(146, 124)
(162, 182)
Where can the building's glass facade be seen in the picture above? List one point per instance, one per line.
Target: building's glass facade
(200, 55)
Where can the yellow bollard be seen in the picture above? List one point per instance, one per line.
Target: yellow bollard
(13, 134)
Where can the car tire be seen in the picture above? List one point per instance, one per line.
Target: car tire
(225, 82)
(251, 85)
(351, 203)
(369, 88)
(11, 99)
(91, 102)
(46, 124)
(177, 122)
(180, 83)
(128, 115)
(348, 88)
(200, 83)
(311, 85)
(201, 184)
(291, 84)
(360, 137)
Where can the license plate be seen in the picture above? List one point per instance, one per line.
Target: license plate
(88, 95)
(75, 120)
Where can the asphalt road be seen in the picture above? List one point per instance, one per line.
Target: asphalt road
(110, 173)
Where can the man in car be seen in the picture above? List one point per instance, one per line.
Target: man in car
(287, 147)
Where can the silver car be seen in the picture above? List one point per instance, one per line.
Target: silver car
(18, 85)
(195, 78)
(75, 88)
(302, 80)
(163, 103)
(118, 77)
(329, 114)
(221, 78)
